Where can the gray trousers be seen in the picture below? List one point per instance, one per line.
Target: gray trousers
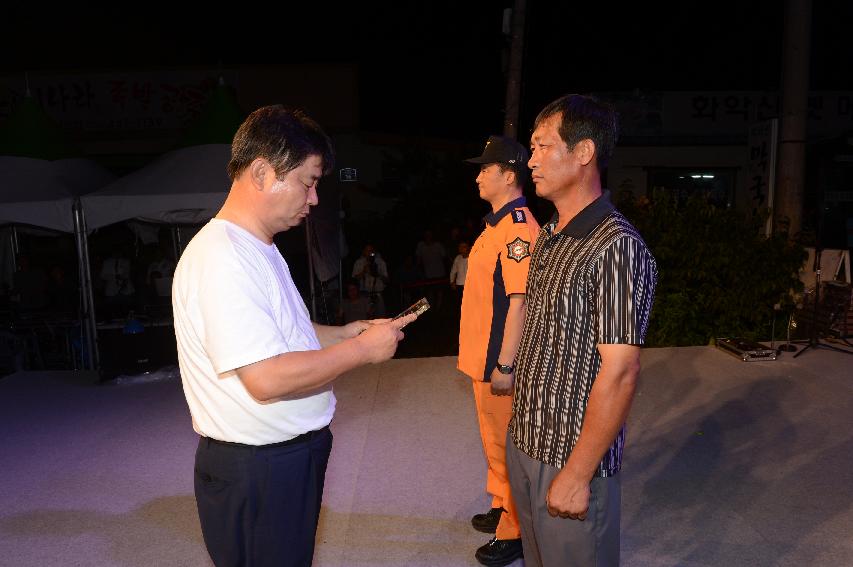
(559, 542)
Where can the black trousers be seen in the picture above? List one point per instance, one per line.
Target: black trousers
(259, 506)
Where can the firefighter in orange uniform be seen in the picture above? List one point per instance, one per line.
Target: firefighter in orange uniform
(493, 307)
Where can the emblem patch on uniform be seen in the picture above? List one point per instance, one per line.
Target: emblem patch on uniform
(518, 216)
(518, 249)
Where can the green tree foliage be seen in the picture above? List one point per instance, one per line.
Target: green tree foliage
(718, 275)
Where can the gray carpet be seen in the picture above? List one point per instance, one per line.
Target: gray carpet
(728, 463)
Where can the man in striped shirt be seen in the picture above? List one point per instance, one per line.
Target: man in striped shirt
(589, 293)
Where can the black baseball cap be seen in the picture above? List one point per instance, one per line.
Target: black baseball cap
(500, 149)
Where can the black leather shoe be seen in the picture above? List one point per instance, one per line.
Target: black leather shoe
(488, 522)
(499, 552)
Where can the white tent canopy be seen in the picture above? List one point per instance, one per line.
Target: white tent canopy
(188, 185)
(41, 193)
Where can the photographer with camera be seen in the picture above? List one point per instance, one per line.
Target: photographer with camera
(371, 271)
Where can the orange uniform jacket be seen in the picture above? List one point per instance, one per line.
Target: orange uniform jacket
(497, 268)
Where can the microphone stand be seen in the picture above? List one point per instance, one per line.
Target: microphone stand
(814, 339)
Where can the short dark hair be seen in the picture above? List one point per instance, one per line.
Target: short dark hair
(585, 117)
(520, 169)
(283, 137)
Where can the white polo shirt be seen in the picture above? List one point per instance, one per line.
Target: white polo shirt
(235, 304)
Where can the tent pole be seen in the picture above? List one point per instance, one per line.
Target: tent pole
(308, 230)
(16, 246)
(176, 246)
(340, 284)
(13, 256)
(340, 251)
(89, 328)
(13, 249)
(180, 243)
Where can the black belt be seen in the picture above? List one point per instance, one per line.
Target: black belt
(295, 441)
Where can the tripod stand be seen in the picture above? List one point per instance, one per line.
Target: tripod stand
(814, 339)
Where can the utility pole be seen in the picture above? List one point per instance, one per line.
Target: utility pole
(513, 83)
(790, 175)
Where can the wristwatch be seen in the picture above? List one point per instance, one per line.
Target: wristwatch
(504, 368)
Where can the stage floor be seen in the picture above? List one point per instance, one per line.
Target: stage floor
(727, 463)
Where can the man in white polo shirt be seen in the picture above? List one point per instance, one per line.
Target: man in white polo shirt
(256, 371)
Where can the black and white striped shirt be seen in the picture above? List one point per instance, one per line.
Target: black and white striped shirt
(591, 283)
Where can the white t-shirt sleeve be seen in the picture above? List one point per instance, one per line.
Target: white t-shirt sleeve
(454, 270)
(238, 319)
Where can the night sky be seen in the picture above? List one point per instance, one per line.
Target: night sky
(435, 68)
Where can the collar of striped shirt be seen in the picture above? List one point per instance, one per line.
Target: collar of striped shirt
(587, 219)
(492, 219)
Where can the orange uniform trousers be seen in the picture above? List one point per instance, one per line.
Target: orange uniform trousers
(494, 413)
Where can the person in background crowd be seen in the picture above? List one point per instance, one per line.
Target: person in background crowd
(160, 271)
(430, 256)
(371, 271)
(459, 269)
(116, 280)
(356, 305)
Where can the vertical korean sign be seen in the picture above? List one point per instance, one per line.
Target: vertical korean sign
(761, 169)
